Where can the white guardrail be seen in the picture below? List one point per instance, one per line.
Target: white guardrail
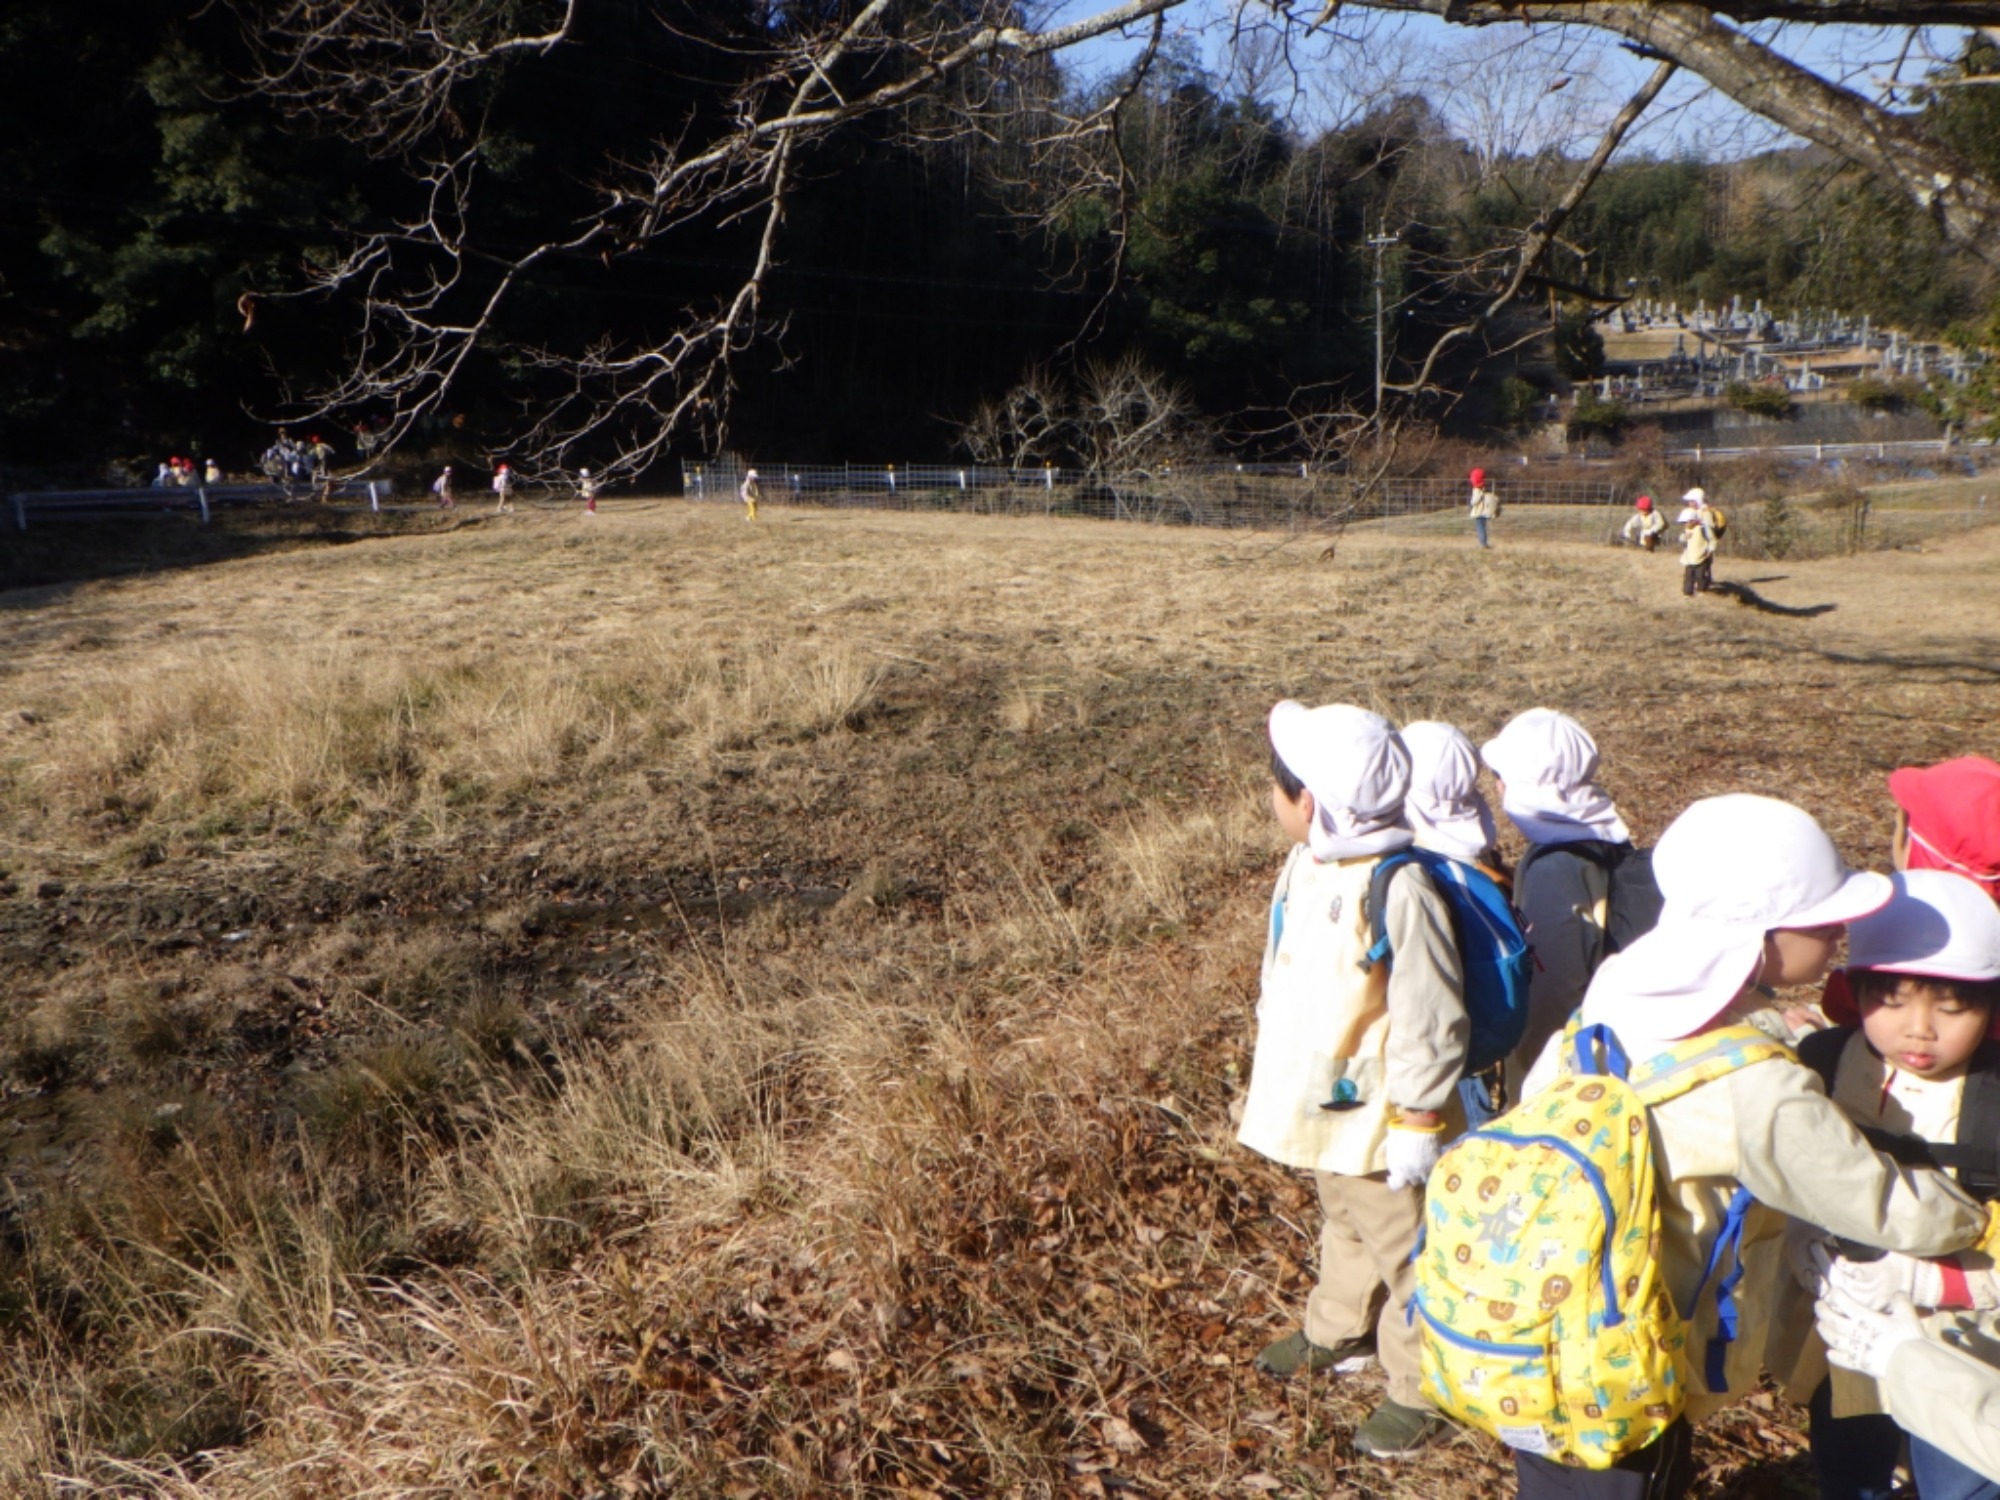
(1912, 446)
(63, 504)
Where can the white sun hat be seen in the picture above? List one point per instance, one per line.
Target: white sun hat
(1696, 496)
(1547, 765)
(1937, 924)
(1444, 805)
(1358, 771)
(1730, 870)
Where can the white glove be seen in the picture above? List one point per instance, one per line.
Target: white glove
(1862, 1339)
(1876, 1284)
(1412, 1154)
(1807, 1255)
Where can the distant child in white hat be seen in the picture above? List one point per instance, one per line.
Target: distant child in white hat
(1912, 1059)
(750, 492)
(1756, 896)
(1547, 766)
(1355, 1072)
(1697, 552)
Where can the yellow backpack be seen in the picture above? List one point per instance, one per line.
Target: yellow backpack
(1542, 1309)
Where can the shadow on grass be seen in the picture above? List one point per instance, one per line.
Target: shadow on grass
(40, 566)
(1742, 593)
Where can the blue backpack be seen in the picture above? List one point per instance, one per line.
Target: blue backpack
(1491, 948)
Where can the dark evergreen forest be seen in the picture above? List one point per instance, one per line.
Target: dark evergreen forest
(159, 220)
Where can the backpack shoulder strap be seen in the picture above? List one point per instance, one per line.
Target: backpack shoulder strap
(1821, 1051)
(1700, 1059)
(1977, 1150)
(1378, 903)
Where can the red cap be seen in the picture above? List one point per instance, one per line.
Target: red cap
(1644, 502)
(1954, 813)
(1479, 476)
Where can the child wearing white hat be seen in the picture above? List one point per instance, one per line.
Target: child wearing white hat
(1914, 1061)
(1697, 553)
(1547, 766)
(1355, 1071)
(1449, 816)
(1755, 896)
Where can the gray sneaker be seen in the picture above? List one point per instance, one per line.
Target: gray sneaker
(1295, 1352)
(1396, 1430)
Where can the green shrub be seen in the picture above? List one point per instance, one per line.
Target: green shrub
(1760, 399)
(1596, 417)
(1519, 401)
(1780, 529)
(1874, 394)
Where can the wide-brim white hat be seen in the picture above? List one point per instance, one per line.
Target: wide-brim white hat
(1730, 870)
(1936, 924)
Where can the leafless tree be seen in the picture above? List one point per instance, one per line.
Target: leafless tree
(428, 297)
(1132, 420)
(1024, 429)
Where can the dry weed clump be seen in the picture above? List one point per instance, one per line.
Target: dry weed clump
(297, 730)
(763, 1022)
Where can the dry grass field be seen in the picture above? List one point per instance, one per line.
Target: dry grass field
(650, 1004)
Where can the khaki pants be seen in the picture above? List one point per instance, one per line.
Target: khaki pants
(1367, 1234)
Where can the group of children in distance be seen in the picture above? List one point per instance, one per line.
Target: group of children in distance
(1700, 523)
(1800, 1213)
(445, 489)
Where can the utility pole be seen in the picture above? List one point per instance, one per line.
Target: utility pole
(1380, 242)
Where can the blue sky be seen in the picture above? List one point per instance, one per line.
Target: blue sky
(1497, 80)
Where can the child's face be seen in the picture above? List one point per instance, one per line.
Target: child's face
(1799, 955)
(1924, 1028)
(1294, 814)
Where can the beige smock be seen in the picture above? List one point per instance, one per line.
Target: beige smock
(1399, 1035)
(1950, 1397)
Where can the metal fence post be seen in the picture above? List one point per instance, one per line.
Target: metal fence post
(374, 500)
(21, 512)
(201, 495)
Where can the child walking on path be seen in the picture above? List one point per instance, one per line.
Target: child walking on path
(586, 489)
(441, 487)
(1697, 554)
(503, 490)
(1485, 505)
(1355, 1072)
(1912, 1060)
(1755, 895)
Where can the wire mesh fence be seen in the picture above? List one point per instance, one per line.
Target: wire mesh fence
(1294, 497)
(1260, 496)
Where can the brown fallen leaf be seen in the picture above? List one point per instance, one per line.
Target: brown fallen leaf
(1120, 1436)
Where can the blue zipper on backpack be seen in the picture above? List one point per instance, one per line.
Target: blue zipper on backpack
(1477, 1346)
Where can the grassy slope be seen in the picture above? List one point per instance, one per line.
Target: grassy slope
(588, 1007)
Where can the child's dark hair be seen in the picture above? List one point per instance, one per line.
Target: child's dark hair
(1872, 986)
(1288, 782)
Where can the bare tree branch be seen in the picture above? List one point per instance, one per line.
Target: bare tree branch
(1543, 232)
